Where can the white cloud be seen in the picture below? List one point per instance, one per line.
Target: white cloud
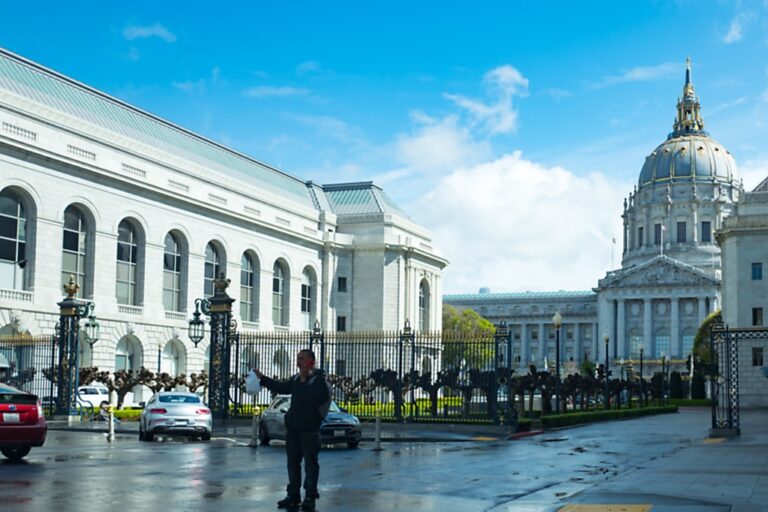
(439, 146)
(641, 74)
(734, 32)
(557, 93)
(753, 172)
(329, 125)
(265, 91)
(503, 84)
(136, 32)
(517, 225)
(198, 86)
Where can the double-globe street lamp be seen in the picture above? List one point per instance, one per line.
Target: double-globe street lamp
(71, 310)
(557, 319)
(223, 330)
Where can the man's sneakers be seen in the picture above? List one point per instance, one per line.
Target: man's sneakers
(291, 502)
(308, 504)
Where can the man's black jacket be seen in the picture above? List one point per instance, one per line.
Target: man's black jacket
(306, 399)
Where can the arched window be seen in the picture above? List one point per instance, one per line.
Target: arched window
(635, 342)
(212, 268)
(248, 289)
(74, 249)
(424, 306)
(282, 362)
(174, 359)
(172, 273)
(279, 295)
(661, 343)
(127, 259)
(308, 298)
(13, 241)
(127, 355)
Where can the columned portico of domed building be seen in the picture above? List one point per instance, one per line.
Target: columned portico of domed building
(657, 305)
(670, 275)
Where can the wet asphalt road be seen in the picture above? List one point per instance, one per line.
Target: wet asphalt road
(81, 471)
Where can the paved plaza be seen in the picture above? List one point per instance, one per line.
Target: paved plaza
(660, 463)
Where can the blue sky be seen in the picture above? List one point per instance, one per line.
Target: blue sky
(513, 129)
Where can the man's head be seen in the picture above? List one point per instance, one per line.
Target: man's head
(305, 360)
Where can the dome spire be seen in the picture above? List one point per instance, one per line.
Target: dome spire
(688, 118)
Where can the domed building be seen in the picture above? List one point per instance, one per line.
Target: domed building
(670, 275)
(669, 279)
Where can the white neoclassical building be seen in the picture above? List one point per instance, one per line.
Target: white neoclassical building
(145, 214)
(670, 275)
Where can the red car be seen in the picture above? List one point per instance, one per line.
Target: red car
(22, 424)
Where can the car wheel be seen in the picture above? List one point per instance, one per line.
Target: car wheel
(142, 437)
(16, 453)
(353, 444)
(263, 434)
(206, 436)
(149, 436)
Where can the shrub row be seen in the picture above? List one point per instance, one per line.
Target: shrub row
(577, 418)
(684, 402)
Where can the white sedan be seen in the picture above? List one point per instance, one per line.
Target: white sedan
(175, 413)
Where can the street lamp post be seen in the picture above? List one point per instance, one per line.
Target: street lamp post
(607, 396)
(642, 395)
(557, 319)
(71, 310)
(223, 331)
(666, 380)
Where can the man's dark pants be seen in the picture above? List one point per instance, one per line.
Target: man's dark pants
(304, 445)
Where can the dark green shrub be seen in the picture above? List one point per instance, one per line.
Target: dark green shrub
(578, 418)
(684, 402)
(675, 385)
(697, 386)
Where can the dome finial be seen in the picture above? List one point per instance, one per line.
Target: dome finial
(688, 118)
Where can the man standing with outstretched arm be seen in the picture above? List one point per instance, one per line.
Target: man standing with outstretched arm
(309, 392)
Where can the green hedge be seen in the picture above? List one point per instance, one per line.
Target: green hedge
(684, 402)
(577, 418)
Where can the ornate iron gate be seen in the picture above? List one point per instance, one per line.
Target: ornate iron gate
(24, 362)
(724, 375)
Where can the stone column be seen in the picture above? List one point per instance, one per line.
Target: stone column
(674, 313)
(647, 326)
(702, 309)
(620, 329)
(524, 348)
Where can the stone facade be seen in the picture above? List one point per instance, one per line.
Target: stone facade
(128, 180)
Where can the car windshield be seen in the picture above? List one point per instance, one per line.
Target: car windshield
(179, 399)
(284, 404)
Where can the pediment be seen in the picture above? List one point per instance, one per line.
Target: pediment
(658, 272)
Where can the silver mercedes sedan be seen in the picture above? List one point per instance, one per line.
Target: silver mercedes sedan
(175, 413)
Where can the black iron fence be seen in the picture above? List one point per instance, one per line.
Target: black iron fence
(23, 362)
(401, 376)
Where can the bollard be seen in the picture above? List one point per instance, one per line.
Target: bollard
(255, 428)
(377, 440)
(111, 420)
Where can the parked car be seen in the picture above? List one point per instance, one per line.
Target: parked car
(175, 413)
(22, 422)
(93, 395)
(338, 426)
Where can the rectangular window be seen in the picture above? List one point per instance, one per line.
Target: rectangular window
(682, 235)
(306, 298)
(757, 271)
(757, 356)
(706, 232)
(657, 234)
(757, 317)
(342, 286)
(341, 323)
(639, 237)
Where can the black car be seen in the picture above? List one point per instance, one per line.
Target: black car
(338, 426)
